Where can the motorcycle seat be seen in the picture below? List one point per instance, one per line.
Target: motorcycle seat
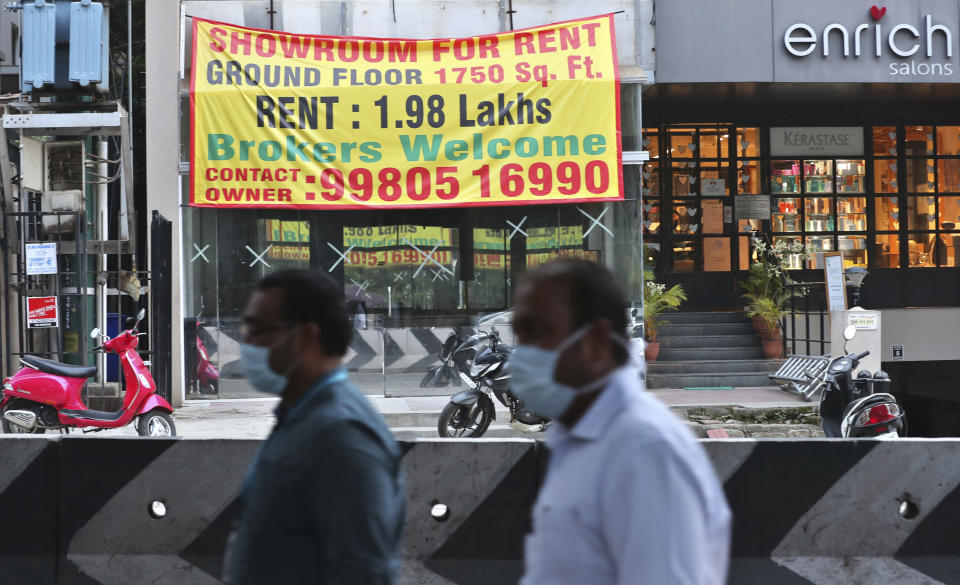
(93, 414)
(59, 368)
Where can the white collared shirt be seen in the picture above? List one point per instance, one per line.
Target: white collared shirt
(629, 498)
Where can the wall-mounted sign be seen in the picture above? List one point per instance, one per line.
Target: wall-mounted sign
(41, 258)
(814, 41)
(898, 352)
(753, 206)
(816, 141)
(42, 312)
(282, 120)
(713, 187)
(850, 41)
(863, 321)
(833, 276)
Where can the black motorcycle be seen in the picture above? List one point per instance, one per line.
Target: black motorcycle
(861, 407)
(469, 413)
(456, 355)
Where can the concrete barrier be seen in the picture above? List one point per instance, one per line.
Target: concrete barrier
(135, 511)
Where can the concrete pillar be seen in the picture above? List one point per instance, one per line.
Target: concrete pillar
(163, 138)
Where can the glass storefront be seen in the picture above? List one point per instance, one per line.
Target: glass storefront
(897, 205)
(426, 270)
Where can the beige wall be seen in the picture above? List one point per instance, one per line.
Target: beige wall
(163, 183)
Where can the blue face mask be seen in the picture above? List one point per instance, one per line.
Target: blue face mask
(531, 378)
(256, 367)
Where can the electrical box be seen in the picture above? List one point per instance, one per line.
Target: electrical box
(63, 184)
(39, 43)
(61, 201)
(86, 42)
(64, 166)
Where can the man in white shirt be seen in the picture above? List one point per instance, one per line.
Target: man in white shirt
(629, 496)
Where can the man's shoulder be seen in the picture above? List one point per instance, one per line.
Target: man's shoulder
(647, 422)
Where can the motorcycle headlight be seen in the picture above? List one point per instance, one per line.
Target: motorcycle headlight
(476, 370)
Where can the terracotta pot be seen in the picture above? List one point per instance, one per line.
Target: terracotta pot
(651, 349)
(772, 348)
(763, 331)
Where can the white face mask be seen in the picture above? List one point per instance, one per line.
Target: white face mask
(531, 378)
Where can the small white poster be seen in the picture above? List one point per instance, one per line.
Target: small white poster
(833, 273)
(41, 258)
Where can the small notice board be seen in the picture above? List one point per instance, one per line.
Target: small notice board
(41, 258)
(833, 276)
(42, 312)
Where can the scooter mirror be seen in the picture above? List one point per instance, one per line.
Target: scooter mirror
(849, 332)
(95, 333)
(141, 314)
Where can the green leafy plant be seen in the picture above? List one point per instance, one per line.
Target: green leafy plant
(768, 310)
(657, 299)
(765, 287)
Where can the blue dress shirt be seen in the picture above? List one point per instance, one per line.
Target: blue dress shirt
(324, 500)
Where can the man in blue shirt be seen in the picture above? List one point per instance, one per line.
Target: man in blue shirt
(323, 502)
(629, 496)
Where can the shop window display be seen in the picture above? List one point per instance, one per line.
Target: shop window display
(918, 140)
(884, 141)
(920, 175)
(887, 252)
(887, 213)
(948, 140)
(792, 261)
(748, 177)
(811, 197)
(748, 142)
(885, 176)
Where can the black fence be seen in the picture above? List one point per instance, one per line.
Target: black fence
(805, 325)
(161, 297)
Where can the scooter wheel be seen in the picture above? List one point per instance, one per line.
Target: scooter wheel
(156, 423)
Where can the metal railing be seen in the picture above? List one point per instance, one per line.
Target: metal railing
(808, 306)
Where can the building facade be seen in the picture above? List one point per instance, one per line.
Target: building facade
(410, 276)
(830, 124)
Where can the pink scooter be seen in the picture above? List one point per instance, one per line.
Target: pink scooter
(45, 394)
(208, 376)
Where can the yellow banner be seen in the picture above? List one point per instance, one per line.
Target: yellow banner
(280, 120)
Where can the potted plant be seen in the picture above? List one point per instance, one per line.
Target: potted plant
(766, 291)
(767, 312)
(657, 299)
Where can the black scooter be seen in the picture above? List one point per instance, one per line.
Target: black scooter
(858, 408)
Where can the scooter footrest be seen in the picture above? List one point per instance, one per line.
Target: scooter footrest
(93, 414)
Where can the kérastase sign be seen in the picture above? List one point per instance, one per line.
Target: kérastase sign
(816, 141)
